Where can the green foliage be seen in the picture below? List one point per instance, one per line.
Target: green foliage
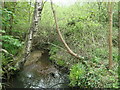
(6, 17)
(5, 59)
(11, 44)
(100, 52)
(53, 50)
(12, 68)
(15, 24)
(16, 19)
(11, 40)
(59, 60)
(93, 77)
(96, 59)
(108, 78)
(2, 31)
(86, 32)
(79, 76)
(84, 27)
(115, 54)
(77, 72)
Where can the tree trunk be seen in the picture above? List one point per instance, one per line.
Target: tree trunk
(32, 31)
(29, 12)
(61, 37)
(119, 31)
(119, 43)
(3, 4)
(110, 34)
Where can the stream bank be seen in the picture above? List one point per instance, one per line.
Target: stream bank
(39, 72)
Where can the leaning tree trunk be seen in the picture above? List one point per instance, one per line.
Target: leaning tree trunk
(110, 34)
(32, 32)
(61, 37)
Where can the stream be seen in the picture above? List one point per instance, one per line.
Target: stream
(39, 72)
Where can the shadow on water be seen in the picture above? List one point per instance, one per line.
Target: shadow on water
(39, 72)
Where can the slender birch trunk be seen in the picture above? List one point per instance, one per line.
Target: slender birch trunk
(32, 32)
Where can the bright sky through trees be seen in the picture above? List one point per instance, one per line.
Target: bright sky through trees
(63, 2)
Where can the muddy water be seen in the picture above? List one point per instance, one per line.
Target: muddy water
(39, 72)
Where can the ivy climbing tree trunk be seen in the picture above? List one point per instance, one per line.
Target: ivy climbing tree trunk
(110, 34)
(32, 32)
(61, 37)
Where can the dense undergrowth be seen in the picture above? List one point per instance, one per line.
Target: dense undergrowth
(85, 31)
(88, 37)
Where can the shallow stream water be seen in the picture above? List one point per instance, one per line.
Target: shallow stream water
(39, 72)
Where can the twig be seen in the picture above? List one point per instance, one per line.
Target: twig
(56, 84)
(5, 51)
(57, 46)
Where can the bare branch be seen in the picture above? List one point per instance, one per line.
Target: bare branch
(61, 37)
(6, 52)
